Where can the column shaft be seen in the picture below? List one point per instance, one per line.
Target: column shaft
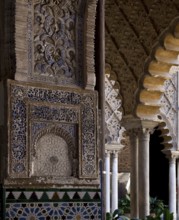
(177, 189)
(114, 181)
(144, 198)
(172, 186)
(107, 165)
(134, 176)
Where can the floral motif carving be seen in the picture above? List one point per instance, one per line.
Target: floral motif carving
(54, 38)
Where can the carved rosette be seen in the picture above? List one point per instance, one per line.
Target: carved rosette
(73, 111)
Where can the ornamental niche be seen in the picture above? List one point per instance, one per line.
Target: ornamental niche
(50, 127)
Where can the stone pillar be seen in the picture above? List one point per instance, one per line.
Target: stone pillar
(114, 180)
(172, 185)
(107, 167)
(133, 134)
(144, 198)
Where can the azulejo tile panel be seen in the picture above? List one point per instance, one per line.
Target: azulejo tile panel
(45, 211)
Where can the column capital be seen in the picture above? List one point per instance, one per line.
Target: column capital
(115, 153)
(107, 153)
(132, 124)
(113, 147)
(171, 154)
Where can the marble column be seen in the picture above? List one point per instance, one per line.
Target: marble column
(133, 134)
(107, 167)
(172, 185)
(144, 198)
(177, 188)
(114, 180)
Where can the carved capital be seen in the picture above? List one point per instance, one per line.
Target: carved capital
(107, 153)
(171, 155)
(115, 153)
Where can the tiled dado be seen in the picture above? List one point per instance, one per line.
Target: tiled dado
(53, 204)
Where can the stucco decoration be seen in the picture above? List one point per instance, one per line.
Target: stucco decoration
(89, 69)
(55, 42)
(169, 106)
(132, 29)
(113, 109)
(65, 116)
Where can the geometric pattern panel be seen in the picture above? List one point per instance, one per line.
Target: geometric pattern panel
(52, 204)
(40, 195)
(33, 105)
(169, 103)
(47, 211)
(113, 113)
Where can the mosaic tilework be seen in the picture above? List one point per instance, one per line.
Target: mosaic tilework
(45, 211)
(52, 195)
(61, 204)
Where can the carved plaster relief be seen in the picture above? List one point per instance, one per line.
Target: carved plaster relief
(54, 39)
(113, 113)
(54, 42)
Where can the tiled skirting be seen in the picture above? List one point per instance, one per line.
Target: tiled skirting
(52, 204)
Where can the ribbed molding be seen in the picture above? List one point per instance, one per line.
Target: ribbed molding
(89, 43)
